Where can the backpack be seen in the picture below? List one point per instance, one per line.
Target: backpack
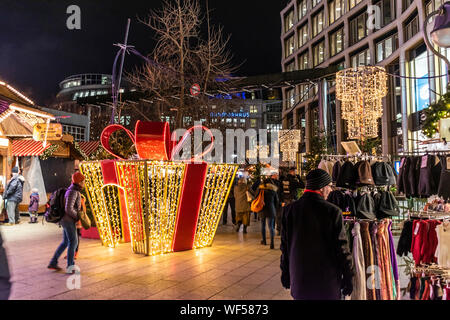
(56, 206)
(258, 203)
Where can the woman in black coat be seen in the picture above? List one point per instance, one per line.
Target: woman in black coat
(269, 212)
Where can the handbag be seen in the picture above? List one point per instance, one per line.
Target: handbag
(3, 213)
(258, 203)
(84, 218)
(85, 221)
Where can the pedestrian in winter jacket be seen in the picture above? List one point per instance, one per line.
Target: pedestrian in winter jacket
(13, 194)
(315, 258)
(73, 206)
(268, 213)
(242, 204)
(5, 283)
(33, 207)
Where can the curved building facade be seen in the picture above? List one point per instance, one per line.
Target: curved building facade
(351, 33)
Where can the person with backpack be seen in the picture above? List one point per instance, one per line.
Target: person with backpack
(72, 208)
(33, 207)
(13, 196)
(268, 193)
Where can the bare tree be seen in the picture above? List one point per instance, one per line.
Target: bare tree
(182, 57)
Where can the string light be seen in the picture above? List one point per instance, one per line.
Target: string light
(361, 91)
(289, 141)
(152, 195)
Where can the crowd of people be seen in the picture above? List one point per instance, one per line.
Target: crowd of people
(276, 193)
(315, 261)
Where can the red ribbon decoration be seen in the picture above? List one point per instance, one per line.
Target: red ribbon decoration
(153, 140)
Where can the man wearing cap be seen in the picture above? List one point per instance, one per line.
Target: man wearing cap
(73, 205)
(316, 263)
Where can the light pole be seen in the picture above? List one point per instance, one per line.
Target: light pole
(441, 31)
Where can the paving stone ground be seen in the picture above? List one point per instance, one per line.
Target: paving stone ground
(235, 267)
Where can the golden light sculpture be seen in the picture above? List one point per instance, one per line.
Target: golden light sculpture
(104, 201)
(153, 193)
(361, 91)
(289, 142)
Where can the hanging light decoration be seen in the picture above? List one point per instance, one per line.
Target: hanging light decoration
(361, 91)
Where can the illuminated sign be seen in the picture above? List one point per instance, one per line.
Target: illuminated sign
(229, 115)
(51, 131)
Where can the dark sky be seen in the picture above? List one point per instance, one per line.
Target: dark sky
(37, 51)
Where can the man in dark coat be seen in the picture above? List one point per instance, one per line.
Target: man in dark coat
(13, 194)
(316, 262)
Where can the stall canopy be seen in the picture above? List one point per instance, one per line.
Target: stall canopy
(28, 148)
(88, 147)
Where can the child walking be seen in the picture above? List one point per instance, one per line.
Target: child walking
(34, 205)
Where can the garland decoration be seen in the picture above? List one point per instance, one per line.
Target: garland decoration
(49, 152)
(435, 112)
(77, 147)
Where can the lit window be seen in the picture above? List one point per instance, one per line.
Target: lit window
(289, 46)
(253, 109)
(317, 22)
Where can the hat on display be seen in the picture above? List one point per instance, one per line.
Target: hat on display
(366, 207)
(388, 205)
(383, 174)
(364, 173)
(347, 177)
(77, 177)
(317, 179)
(15, 170)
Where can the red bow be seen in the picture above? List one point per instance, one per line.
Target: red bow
(153, 140)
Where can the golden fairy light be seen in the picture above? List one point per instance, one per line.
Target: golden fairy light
(289, 141)
(152, 191)
(361, 91)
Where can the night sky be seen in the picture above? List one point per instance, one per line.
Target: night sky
(37, 51)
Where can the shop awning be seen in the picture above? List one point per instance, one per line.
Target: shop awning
(89, 146)
(28, 148)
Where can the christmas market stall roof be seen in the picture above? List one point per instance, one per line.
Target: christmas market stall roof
(18, 114)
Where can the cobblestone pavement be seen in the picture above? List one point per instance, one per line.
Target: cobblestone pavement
(236, 267)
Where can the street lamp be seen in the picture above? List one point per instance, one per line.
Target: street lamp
(441, 31)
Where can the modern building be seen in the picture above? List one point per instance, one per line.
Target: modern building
(351, 33)
(92, 87)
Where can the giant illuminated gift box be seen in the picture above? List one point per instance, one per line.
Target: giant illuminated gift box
(159, 205)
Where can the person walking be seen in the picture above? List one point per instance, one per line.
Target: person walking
(242, 204)
(73, 206)
(13, 195)
(5, 276)
(229, 202)
(279, 185)
(292, 183)
(33, 207)
(315, 258)
(268, 212)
